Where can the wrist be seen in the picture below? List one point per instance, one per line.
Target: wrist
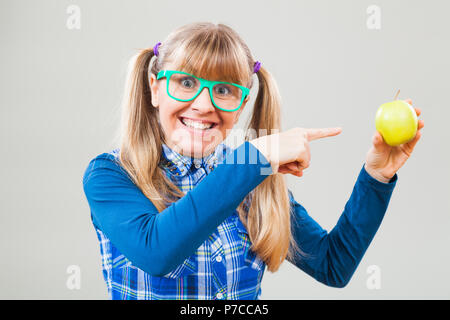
(376, 175)
(262, 149)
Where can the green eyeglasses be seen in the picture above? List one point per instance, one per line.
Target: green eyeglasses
(184, 86)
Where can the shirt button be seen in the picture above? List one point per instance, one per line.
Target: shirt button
(219, 258)
(219, 295)
(197, 165)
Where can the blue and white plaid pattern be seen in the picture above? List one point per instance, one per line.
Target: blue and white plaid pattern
(223, 267)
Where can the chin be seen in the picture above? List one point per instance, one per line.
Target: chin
(195, 143)
(196, 149)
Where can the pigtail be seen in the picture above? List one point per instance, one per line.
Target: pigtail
(141, 136)
(268, 219)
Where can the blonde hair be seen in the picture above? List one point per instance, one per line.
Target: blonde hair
(214, 52)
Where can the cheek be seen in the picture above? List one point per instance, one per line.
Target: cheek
(227, 124)
(168, 113)
(228, 120)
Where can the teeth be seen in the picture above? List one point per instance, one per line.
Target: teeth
(196, 125)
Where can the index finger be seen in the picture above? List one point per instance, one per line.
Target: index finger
(317, 133)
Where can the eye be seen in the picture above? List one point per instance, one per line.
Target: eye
(222, 89)
(188, 82)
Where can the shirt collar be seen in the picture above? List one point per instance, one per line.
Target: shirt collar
(180, 164)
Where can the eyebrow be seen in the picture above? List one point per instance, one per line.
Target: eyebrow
(224, 81)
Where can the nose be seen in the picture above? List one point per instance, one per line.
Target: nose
(203, 102)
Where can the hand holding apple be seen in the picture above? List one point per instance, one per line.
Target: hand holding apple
(383, 160)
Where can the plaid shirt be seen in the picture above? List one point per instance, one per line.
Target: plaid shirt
(222, 267)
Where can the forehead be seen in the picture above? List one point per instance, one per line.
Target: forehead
(210, 77)
(216, 68)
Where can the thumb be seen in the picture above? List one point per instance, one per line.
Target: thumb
(378, 141)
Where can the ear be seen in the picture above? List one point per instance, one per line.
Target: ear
(154, 88)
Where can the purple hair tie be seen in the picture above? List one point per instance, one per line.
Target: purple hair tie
(256, 67)
(155, 49)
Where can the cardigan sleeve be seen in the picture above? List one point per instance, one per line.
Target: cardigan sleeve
(158, 242)
(332, 257)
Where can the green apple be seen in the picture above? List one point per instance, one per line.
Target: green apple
(396, 121)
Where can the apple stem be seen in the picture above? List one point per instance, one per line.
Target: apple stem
(396, 96)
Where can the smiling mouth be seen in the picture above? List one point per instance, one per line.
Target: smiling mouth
(195, 125)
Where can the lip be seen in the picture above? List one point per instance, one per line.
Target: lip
(199, 120)
(197, 131)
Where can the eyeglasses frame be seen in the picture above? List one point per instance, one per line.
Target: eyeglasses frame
(203, 84)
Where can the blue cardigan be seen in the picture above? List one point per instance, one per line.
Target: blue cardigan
(155, 242)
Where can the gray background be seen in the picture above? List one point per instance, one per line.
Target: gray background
(60, 95)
